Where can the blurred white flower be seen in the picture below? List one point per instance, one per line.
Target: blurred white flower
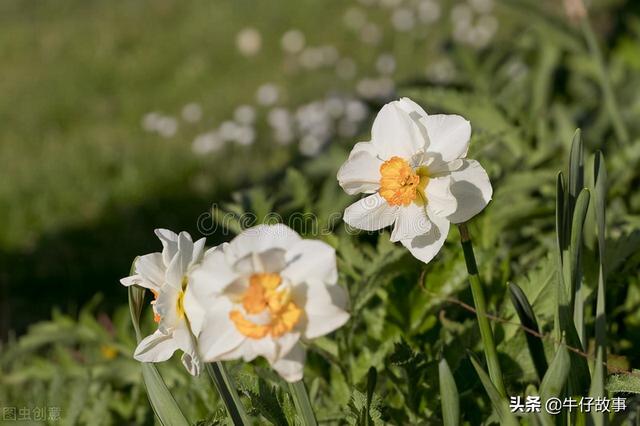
(386, 64)
(482, 6)
(356, 110)
(311, 58)
(178, 314)
(228, 130)
(441, 71)
(403, 19)
(354, 18)
(206, 143)
(192, 112)
(334, 106)
(263, 292)
(267, 94)
(292, 41)
(329, 54)
(150, 121)
(416, 169)
(346, 68)
(391, 4)
(245, 114)
(370, 34)
(310, 145)
(167, 126)
(245, 135)
(428, 11)
(375, 88)
(249, 41)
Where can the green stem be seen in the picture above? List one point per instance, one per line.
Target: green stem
(226, 389)
(302, 403)
(490, 352)
(609, 98)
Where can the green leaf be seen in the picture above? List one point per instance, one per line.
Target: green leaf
(448, 395)
(164, 405)
(555, 379)
(302, 403)
(499, 404)
(599, 373)
(575, 254)
(372, 378)
(528, 320)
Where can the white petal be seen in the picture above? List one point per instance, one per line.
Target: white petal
(411, 107)
(212, 275)
(219, 334)
(309, 259)
(155, 348)
(194, 310)
(138, 280)
(165, 305)
(412, 221)
(262, 238)
(271, 260)
(291, 366)
(151, 268)
(175, 272)
(286, 342)
(265, 347)
(185, 341)
(425, 247)
(440, 199)
(370, 213)
(198, 251)
(360, 173)
(169, 241)
(448, 136)
(324, 306)
(395, 134)
(472, 189)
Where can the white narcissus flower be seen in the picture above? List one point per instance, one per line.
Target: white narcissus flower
(416, 169)
(263, 292)
(177, 313)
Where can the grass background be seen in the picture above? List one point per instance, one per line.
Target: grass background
(83, 183)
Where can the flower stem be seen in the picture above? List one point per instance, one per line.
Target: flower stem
(490, 352)
(302, 403)
(226, 389)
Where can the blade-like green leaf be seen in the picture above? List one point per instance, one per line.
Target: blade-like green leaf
(372, 378)
(599, 374)
(555, 379)
(302, 403)
(448, 395)
(528, 320)
(576, 175)
(164, 405)
(499, 403)
(575, 254)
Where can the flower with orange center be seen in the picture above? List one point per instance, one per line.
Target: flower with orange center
(263, 292)
(263, 295)
(400, 185)
(176, 312)
(417, 177)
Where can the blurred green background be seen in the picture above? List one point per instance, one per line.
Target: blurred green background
(83, 184)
